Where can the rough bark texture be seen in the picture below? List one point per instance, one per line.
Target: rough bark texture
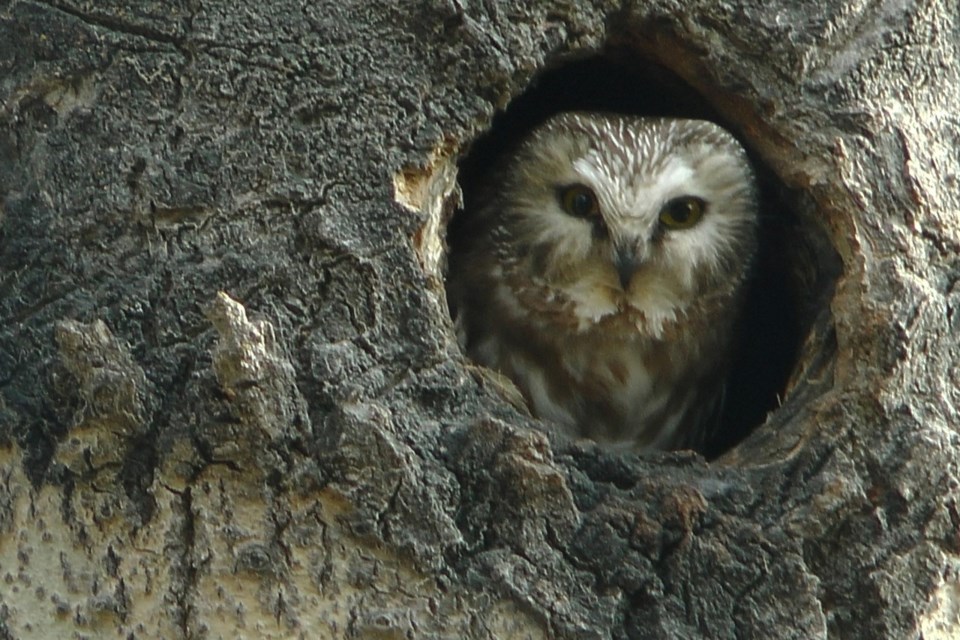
(231, 402)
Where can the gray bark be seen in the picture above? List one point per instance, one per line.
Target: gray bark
(231, 400)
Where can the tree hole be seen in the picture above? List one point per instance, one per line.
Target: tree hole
(786, 340)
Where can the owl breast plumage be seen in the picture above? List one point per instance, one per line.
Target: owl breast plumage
(602, 271)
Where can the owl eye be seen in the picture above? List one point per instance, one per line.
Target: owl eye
(580, 201)
(682, 213)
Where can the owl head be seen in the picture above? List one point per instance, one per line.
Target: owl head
(627, 220)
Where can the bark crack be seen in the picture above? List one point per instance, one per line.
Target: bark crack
(113, 24)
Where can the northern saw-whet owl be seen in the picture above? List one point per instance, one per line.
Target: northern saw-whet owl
(603, 271)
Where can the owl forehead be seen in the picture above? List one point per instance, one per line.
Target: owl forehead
(626, 159)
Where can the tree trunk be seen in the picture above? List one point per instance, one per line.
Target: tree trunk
(231, 400)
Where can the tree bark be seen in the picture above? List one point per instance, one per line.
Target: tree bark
(231, 400)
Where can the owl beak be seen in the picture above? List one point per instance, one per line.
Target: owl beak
(627, 262)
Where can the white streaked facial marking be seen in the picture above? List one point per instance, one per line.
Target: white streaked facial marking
(632, 187)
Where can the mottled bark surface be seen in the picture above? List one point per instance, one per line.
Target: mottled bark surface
(232, 404)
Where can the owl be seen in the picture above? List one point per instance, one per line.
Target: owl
(603, 271)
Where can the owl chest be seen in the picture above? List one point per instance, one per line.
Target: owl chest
(616, 382)
(627, 393)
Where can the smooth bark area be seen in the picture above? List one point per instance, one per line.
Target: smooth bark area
(231, 400)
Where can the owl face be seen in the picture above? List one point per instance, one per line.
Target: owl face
(628, 221)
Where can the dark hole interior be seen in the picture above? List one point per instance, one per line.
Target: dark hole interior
(773, 322)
